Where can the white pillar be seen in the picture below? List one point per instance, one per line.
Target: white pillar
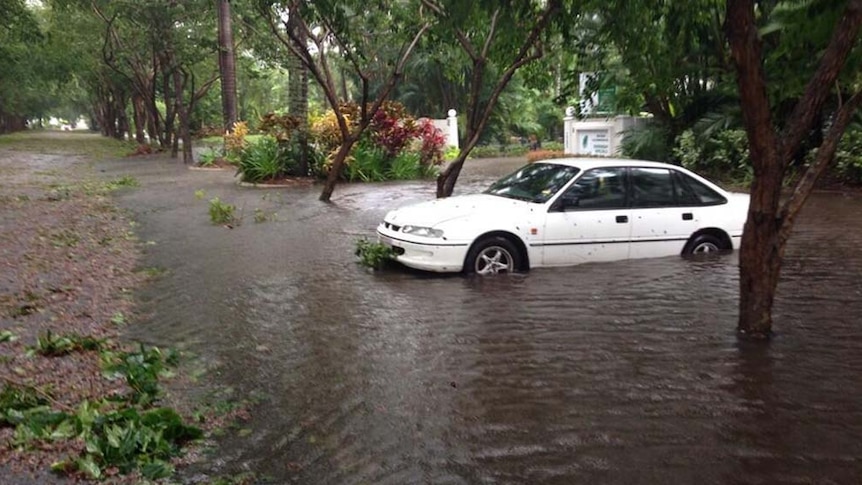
(570, 143)
(452, 124)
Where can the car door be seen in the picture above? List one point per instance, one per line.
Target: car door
(589, 221)
(663, 215)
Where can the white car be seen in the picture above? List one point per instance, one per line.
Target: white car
(565, 212)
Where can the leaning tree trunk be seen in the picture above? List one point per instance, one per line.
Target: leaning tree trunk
(227, 66)
(336, 168)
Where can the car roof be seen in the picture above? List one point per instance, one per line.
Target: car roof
(586, 163)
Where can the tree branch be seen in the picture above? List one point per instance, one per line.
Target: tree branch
(842, 42)
(825, 154)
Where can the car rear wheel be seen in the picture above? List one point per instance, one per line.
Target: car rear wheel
(491, 256)
(704, 244)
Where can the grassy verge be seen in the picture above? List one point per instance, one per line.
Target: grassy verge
(85, 144)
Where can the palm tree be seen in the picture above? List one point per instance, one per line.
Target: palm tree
(298, 93)
(227, 65)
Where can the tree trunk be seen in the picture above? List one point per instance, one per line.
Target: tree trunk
(447, 178)
(298, 94)
(336, 169)
(168, 140)
(140, 115)
(227, 66)
(760, 258)
(769, 223)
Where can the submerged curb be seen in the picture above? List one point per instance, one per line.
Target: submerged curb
(208, 169)
(269, 186)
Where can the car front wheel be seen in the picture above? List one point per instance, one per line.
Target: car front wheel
(492, 256)
(704, 244)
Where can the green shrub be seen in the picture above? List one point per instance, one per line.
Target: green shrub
(373, 255)
(723, 155)
(209, 157)
(646, 142)
(405, 166)
(499, 151)
(263, 160)
(553, 146)
(848, 157)
(222, 213)
(451, 153)
(368, 163)
(515, 150)
(487, 151)
(291, 150)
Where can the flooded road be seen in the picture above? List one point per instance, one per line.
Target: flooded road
(625, 372)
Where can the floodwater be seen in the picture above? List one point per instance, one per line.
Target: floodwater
(626, 372)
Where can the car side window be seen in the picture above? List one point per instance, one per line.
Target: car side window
(652, 187)
(599, 188)
(692, 192)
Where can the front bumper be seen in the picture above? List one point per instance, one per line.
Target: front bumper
(434, 255)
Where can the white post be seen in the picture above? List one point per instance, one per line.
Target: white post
(570, 143)
(452, 124)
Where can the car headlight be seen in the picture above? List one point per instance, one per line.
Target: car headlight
(422, 231)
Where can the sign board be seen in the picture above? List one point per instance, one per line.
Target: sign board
(600, 101)
(594, 142)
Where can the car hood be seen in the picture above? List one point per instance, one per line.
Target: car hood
(432, 213)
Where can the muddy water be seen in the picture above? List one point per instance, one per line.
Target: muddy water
(625, 372)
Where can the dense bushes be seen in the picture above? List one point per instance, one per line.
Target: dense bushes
(394, 147)
(722, 156)
(848, 158)
(497, 151)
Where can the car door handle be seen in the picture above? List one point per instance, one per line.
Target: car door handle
(687, 216)
(622, 219)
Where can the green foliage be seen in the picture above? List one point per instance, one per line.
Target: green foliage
(394, 147)
(128, 435)
(129, 439)
(7, 336)
(292, 151)
(221, 212)
(451, 153)
(141, 370)
(373, 255)
(405, 166)
(50, 345)
(263, 160)
(124, 181)
(14, 400)
(722, 156)
(848, 157)
(368, 163)
(209, 157)
(553, 146)
(647, 142)
(499, 151)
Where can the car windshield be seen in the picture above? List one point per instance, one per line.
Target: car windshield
(536, 182)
